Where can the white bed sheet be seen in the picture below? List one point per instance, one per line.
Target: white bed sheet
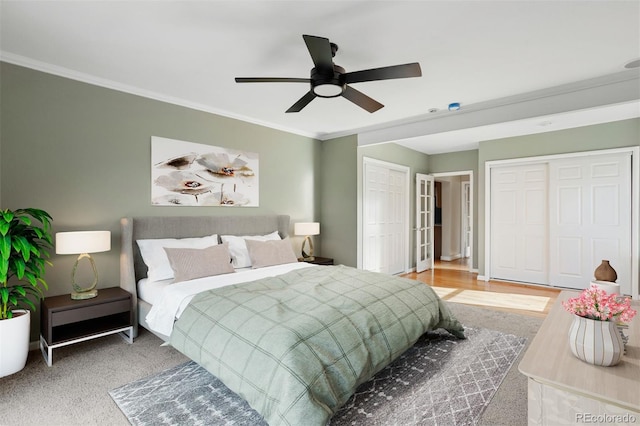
(170, 300)
(151, 291)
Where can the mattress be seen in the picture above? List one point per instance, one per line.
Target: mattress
(170, 299)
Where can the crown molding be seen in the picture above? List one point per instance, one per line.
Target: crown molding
(120, 87)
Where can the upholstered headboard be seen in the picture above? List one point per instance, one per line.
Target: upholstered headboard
(132, 268)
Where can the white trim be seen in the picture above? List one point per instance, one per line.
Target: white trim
(472, 199)
(595, 93)
(463, 231)
(635, 203)
(407, 172)
(635, 222)
(133, 90)
(451, 258)
(545, 158)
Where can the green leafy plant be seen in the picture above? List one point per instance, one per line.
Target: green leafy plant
(25, 240)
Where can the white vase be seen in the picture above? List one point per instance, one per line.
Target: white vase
(595, 342)
(14, 342)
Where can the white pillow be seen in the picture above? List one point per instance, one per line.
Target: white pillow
(154, 256)
(238, 248)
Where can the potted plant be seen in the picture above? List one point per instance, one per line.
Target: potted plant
(25, 240)
(595, 335)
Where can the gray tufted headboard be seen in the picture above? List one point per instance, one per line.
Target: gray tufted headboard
(132, 268)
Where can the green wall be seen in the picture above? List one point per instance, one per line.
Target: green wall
(339, 199)
(82, 153)
(589, 138)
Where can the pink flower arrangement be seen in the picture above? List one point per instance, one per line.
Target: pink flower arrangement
(597, 304)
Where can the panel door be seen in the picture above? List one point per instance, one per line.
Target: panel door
(384, 233)
(590, 219)
(397, 226)
(424, 222)
(519, 223)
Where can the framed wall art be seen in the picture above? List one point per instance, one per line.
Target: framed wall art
(192, 174)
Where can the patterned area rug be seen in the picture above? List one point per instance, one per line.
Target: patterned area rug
(439, 381)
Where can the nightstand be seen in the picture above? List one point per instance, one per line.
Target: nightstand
(64, 321)
(318, 260)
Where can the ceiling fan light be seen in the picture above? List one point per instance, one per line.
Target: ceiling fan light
(328, 90)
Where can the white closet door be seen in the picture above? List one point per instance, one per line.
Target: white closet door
(519, 223)
(385, 217)
(397, 222)
(590, 219)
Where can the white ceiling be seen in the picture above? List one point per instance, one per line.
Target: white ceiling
(476, 53)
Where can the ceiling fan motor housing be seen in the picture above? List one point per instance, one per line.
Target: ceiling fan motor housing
(328, 83)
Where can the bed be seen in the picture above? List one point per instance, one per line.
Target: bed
(293, 339)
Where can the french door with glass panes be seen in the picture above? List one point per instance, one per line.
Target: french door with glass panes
(424, 222)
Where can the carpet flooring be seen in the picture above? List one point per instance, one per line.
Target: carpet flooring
(441, 380)
(75, 390)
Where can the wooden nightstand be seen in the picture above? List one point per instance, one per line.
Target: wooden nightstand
(64, 321)
(318, 260)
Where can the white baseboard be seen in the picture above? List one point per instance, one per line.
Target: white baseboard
(451, 258)
(482, 278)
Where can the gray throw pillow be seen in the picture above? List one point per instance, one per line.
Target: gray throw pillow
(269, 253)
(189, 264)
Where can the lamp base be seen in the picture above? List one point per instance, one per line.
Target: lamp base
(84, 294)
(307, 255)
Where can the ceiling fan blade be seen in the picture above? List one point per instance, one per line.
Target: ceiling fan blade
(362, 100)
(271, 80)
(320, 51)
(384, 73)
(302, 102)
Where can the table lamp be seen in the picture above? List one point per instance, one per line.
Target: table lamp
(83, 243)
(307, 229)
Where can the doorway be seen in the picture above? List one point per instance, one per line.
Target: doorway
(453, 230)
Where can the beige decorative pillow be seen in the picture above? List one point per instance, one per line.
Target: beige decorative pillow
(155, 257)
(189, 264)
(268, 253)
(238, 249)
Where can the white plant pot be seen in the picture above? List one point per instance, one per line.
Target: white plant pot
(14, 335)
(596, 342)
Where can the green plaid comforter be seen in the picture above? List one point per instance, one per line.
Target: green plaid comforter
(296, 346)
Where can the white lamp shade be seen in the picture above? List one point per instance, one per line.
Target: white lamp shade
(306, 228)
(79, 242)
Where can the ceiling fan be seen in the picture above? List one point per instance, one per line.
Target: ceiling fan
(329, 80)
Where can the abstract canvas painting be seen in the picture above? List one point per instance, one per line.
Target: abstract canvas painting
(192, 174)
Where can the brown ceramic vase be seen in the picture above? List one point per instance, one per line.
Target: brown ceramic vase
(605, 272)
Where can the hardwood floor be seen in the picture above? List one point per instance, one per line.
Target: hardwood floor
(452, 281)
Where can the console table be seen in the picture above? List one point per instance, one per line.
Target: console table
(565, 390)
